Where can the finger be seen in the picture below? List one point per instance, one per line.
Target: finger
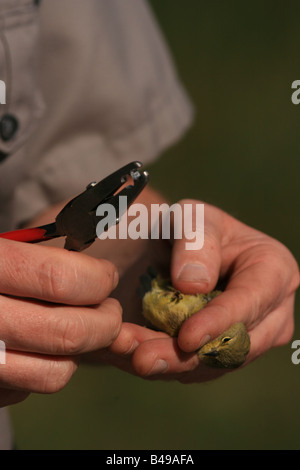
(276, 329)
(253, 291)
(169, 363)
(11, 397)
(58, 329)
(120, 352)
(36, 373)
(161, 356)
(197, 270)
(54, 275)
(130, 336)
(161, 359)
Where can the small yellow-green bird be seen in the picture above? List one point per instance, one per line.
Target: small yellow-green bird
(167, 308)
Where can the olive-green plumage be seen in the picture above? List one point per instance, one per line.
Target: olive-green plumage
(229, 350)
(167, 308)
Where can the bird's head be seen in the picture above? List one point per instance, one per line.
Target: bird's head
(229, 350)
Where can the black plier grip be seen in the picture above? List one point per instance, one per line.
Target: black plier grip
(77, 221)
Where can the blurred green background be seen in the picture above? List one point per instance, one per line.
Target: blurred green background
(237, 60)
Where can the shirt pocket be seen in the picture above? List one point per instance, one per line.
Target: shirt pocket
(21, 103)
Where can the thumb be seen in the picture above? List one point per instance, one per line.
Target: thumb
(197, 270)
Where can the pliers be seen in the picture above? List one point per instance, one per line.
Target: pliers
(77, 221)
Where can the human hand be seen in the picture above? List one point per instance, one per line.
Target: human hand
(261, 278)
(54, 307)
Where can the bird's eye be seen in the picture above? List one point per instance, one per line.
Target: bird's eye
(226, 339)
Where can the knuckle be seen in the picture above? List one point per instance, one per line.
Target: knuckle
(37, 373)
(115, 312)
(113, 321)
(108, 278)
(78, 332)
(15, 265)
(286, 333)
(69, 334)
(189, 201)
(181, 202)
(273, 254)
(284, 262)
(56, 375)
(56, 279)
(123, 345)
(295, 281)
(212, 242)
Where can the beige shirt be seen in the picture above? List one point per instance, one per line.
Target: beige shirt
(90, 86)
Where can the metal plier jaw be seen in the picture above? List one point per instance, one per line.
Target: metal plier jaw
(77, 221)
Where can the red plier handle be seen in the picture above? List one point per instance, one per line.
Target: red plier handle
(32, 235)
(77, 221)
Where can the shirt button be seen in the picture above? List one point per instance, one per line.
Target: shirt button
(8, 127)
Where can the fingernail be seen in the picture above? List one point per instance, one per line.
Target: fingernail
(133, 347)
(193, 273)
(159, 367)
(115, 279)
(204, 340)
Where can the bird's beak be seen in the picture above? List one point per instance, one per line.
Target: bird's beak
(212, 353)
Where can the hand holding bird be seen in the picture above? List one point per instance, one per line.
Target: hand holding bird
(166, 308)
